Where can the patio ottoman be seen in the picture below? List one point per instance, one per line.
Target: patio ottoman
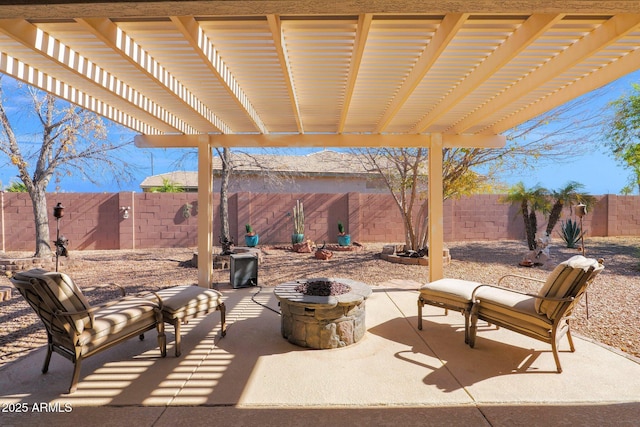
(450, 294)
(181, 303)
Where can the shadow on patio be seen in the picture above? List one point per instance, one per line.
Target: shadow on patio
(396, 371)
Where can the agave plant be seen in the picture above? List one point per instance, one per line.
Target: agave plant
(571, 233)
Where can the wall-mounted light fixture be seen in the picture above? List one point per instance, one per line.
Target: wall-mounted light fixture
(186, 210)
(125, 211)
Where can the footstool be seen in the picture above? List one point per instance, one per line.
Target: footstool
(181, 303)
(450, 294)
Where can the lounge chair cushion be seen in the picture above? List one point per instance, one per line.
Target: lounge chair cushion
(452, 292)
(564, 281)
(512, 308)
(188, 301)
(60, 293)
(116, 321)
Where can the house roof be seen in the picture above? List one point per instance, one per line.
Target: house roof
(185, 179)
(325, 162)
(322, 163)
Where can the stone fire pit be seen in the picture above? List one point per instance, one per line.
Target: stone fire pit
(323, 313)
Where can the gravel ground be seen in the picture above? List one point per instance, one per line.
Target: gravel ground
(612, 299)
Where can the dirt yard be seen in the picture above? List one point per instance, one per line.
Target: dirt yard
(612, 300)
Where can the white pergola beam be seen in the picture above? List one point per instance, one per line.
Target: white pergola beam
(603, 36)
(444, 34)
(119, 42)
(276, 32)
(317, 140)
(522, 37)
(38, 9)
(623, 66)
(209, 55)
(72, 62)
(364, 25)
(27, 74)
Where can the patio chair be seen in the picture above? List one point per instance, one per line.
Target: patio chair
(543, 316)
(77, 330)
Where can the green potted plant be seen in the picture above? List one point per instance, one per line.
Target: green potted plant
(251, 238)
(344, 239)
(298, 223)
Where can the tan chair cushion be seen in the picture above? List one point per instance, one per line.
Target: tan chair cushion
(563, 282)
(453, 292)
(512, 308)
(116, 321)
(187, 301)
(60, 293)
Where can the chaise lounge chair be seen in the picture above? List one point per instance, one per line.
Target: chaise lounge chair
(543, 316)
(77, 330)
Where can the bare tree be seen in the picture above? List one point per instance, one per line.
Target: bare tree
(404, 171)
(73, 141)
(231, 161)
(227, 168)
(554, 137)
(234, 161)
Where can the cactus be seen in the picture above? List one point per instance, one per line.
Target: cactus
(248, 228)
(340, 227)
(298, 218)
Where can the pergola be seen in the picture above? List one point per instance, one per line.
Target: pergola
(317, 73)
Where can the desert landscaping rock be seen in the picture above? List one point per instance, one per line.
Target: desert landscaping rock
(613, 298)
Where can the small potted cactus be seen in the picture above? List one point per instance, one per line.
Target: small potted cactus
(251, 238)
(344, 239)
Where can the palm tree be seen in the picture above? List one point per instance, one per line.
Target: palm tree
(168, 186)
(531, 201)
(16, 187)
(568, 195)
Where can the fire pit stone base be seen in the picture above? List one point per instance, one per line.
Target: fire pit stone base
(323, 322)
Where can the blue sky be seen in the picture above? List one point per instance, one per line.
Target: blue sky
(591, 165)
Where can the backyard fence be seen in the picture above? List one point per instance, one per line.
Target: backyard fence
(165, 220)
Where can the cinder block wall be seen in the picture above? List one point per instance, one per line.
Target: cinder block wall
(163, 220)
(90, 220)
(159, 221)
(623, 217)
(482, 217)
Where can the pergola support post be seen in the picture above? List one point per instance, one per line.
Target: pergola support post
(436, 209)
(205, 214)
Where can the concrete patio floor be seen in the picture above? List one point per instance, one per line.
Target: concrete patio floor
(396, 375)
